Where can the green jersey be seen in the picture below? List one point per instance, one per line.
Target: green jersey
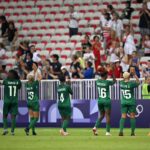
(103, 90)
(64, 92)
(32, 91)
(11, 88)
(127, 92)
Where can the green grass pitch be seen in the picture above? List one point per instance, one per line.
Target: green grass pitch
(79, 139)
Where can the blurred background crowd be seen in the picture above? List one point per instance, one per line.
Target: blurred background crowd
(113, 44)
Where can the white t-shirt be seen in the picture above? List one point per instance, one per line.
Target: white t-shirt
(89, 57)
(118, 27)
(73, 23)
(129, 45)
(38, 72)
(36, 57)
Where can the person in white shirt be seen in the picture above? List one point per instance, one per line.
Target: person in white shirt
(89, 56)
(129, 44)
(73, 23)
(36, 57)
(117, 25)
(36, 72)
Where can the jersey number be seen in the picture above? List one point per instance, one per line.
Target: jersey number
(61, 97)
(126, 94)
(12, 90)
(30, 95)
(102, 92)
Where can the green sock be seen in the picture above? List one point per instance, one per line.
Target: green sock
(65, 125)
(98, 122)
(108, 127)
(4, 123)
(133, 124)
(122, 121)
(31, 125)
(31, 120)
(13, 124)
(34, 123)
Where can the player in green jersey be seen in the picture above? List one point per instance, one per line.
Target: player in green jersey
(32, 88)
(11, 86)
(64, 105)
(128, 102)
(104, 101)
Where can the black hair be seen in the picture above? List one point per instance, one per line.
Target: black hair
(11, 22)
(62, 78)
(108, 16)
(35, 63)
(56, 56)
(89, 63)
(30, 54)
(3, 18)
(75, 57)
(95, 37)
(14, 74)
(110, 7)
(104, 74)
(3, 67)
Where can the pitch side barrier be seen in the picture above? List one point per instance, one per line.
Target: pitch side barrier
(83, 89)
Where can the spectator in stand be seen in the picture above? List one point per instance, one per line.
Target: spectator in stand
(29, 61)
(12, 34)
(56, 65)
(111, 10)
(96, 47)
(124, 61)
(117, 26)
(88, 73)
(117, 69)
(65, 72)
(86, 43)
(80, 59)
(75, 67)
(2, 50)
(106, 26)
(128, 42)
(146, 89)
(133, 69)
(144, 23)
(47, 73)
(23, 48)
(112, 52)
(89, 56)
(73, 23)
(135, 59)
(36, 72)
(109, 69)
(22, 69)
(146, 45)
(4, 25)
(146, 71)
(36, 56)
(3, 72)
(127, 12)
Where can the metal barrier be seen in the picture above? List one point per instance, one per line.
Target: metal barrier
(82, 90)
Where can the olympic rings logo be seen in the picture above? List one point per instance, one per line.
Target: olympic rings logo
(139, 110)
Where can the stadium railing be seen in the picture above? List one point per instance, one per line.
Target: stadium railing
(83, 89)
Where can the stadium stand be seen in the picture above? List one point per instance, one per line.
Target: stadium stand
(45, 25)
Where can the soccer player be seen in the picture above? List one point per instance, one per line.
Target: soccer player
(11, 86)
(32, 88)
(128, 103)
(64, 105)
(104, 101)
